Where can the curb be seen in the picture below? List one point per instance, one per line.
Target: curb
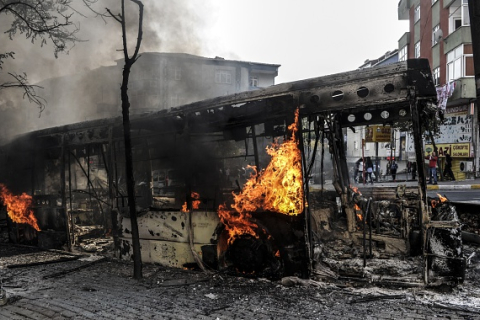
(453, 187)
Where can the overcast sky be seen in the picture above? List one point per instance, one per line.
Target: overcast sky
(309, 38)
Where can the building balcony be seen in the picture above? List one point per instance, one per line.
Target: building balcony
(404, 40)
(456, 38)
(465, 90)
(447, 3)
(403, 9)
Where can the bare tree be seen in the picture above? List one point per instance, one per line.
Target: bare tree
(44, 21)
(129, 61)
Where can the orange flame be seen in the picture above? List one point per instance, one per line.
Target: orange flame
(277, 188)
(195, 202)
(359, 215)
(19, 207)
(442, 199)
(355, 189)
(435, 202)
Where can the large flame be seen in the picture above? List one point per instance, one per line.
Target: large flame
(277, 188)
(18, 207)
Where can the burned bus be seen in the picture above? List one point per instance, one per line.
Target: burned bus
(225, 182)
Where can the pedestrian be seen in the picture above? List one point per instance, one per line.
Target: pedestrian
(414, 170)
(393, 170)
(360, 170)
(369, 168)
(357, 169)
(432, 167)
(448, 167)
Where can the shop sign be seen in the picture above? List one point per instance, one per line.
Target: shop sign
(378, 134)
(456, 150)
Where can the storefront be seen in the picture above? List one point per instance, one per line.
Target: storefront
(462, 158)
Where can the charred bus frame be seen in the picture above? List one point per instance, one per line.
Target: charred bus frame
(75, 172)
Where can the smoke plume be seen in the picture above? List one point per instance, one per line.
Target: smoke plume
(169, 26)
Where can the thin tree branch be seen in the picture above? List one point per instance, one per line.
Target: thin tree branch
(140, 28)
(124, 33)
(29, 92)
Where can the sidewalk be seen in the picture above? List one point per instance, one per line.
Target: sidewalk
(442, 185)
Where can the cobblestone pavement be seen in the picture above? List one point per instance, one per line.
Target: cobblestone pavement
(95, 287)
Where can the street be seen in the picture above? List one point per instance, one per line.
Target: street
(467, 195)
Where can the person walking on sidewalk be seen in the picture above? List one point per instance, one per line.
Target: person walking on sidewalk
(358, 170)
(432, 167)
(369, 166)
(414, 170)
(393, 170)
(448, 167)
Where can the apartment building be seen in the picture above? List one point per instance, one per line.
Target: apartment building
(166, 80)
(439, 30)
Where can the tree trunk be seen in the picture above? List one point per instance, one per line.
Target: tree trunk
(129, 61)
(137, 258)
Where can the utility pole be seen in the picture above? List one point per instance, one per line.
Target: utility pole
(474, 11)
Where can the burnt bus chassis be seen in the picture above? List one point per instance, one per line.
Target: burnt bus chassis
(330, 103)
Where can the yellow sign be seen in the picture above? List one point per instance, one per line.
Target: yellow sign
(456, 150)
(378, 134)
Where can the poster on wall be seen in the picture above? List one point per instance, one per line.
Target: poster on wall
(457, 127)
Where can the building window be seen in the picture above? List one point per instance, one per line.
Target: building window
(456, 63)
(416, 14)
(436, 76)
(459, 16)
(417, 49)
(433, 1)
(177, 74)
(403, 54)
(222, 76)
(253, 82)
(435, 34)
(465, 13)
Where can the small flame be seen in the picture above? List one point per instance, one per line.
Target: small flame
(359, 215)
(277, 188)
(19, 207)
(442, 199)
(195, 202)
(355, 189)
